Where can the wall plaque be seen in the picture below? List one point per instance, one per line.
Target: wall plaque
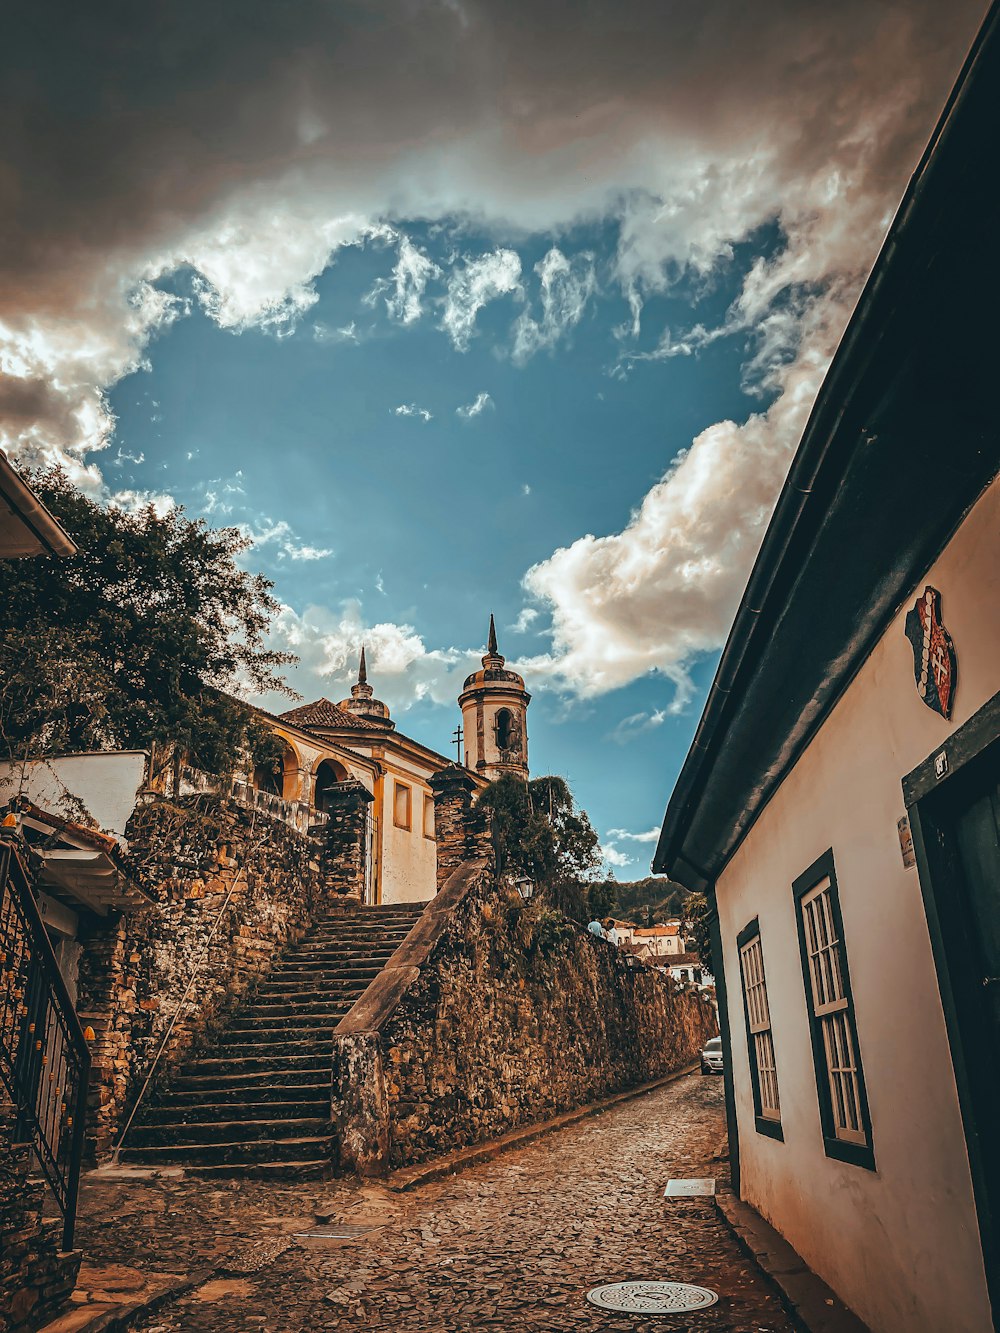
(935, 667)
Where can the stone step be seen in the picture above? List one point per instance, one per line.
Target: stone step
(205, 1108)
(303, 998)
(206, 1132)
(306, 1169)
(283, 1029)
(235, 1152)
(245, 1081)
(287, 1015)
(271, 1063)
(266, 1048)
(219, 1092)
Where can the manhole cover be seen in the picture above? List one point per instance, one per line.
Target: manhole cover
(689, 1189)
(651, 1297)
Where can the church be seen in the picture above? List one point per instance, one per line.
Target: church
(331, 747)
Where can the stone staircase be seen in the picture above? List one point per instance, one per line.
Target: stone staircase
(258, 1100)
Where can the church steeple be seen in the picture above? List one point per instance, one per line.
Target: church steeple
(494, 659)
(361, 701)
(494, 706)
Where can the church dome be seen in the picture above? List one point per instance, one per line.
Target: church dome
(493, 671)
(362, 702)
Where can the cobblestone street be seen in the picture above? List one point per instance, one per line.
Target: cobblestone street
(514, 1243)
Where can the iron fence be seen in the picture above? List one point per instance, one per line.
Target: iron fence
(44, 1058)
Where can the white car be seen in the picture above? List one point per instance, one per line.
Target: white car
(711, 1056)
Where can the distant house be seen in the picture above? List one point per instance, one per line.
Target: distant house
(661, 941)
(841, 807)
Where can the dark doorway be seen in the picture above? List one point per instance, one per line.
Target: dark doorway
(328, 775)
(955, 819)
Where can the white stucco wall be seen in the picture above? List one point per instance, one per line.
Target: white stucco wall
(409, 860)
(900, 1244)
(106, 784)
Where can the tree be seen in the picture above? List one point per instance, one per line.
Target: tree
(601, 898)
(542, 834)
(136, 641)
(699, 911)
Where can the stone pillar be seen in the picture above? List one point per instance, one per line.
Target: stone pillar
(345, 851)
(462, 830)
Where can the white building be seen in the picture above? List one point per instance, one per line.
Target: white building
(842, 804)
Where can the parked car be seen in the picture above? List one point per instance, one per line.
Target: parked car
(711, 1056)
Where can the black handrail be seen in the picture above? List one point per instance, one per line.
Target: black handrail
(44, 1057)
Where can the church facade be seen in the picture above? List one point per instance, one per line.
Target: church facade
(328, 746)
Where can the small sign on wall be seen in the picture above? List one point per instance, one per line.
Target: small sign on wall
(906, 842)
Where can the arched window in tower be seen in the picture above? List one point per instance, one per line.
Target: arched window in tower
(328, 775)
(505, 729)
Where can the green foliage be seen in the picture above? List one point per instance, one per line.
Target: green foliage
(699, 911)
(542, 834)
(648, 901)
(134, 641)
(601, 898)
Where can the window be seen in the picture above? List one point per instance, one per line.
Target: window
(428, 816)
(760, 1042)
(840, 1081)
(401, 806)
(504, 727)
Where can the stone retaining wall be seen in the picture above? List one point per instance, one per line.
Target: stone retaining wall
(493, 1014)
(190, 853)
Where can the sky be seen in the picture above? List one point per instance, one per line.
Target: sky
(458, 308)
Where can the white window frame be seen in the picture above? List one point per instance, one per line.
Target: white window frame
(840, 1081)
(760, 1035)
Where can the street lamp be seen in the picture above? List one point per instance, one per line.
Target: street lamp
(524, 887)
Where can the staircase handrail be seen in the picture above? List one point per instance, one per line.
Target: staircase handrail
(44, 1056)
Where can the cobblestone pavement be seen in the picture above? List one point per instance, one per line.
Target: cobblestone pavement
(514, 1243)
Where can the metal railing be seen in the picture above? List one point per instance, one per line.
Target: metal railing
(44, 1058)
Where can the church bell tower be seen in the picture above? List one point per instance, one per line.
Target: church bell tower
(494, 706)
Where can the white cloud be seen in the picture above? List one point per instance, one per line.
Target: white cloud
(412, 410)
(620, 834)
(472, 286)
(614, 857)
(481, 402)
(279, 533)
(526, 618)
(401, 667)
(405, 292)
(567, 285)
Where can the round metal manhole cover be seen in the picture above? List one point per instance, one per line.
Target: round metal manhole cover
(651, 1297)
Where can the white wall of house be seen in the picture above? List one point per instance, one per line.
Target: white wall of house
(900, 1244)
(106, 786)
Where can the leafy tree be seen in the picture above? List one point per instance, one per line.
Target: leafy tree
(542, 834)
(136, 641)
(601, 898)
(699, 911)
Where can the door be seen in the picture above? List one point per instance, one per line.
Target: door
(957, 840)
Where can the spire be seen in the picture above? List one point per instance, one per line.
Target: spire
(362, 690)
(362, 669)
(494, 660)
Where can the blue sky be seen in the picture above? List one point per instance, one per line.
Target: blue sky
(432, 523)
(456, 308)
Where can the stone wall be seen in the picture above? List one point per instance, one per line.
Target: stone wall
(36, 1275)
(494, 1014)
(191, 855)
